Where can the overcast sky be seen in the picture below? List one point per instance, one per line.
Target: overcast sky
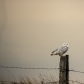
(31, 30)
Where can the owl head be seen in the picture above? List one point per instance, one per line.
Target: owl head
(66, 44)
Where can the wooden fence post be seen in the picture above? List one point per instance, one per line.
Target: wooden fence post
(64, 70)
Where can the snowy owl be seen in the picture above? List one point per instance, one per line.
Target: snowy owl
(61, 50)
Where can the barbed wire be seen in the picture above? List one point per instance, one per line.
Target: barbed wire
(76, 71)
(28, 68)
(37, 68)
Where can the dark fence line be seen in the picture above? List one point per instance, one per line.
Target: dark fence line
(76, 71)
(28, 68)
(37, 68)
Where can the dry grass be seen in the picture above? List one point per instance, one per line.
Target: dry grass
(43, 79)
(27, 80)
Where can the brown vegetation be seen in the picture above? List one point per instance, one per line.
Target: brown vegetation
(43, 79)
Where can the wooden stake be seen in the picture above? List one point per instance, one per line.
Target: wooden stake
(64, 70)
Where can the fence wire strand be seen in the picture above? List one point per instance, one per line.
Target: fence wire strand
(76, 71)
(28, 68)
(37, 68)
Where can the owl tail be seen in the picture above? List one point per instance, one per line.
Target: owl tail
(53, 53)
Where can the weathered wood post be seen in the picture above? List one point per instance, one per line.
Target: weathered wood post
(64, 70)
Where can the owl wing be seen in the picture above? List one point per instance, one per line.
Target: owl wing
(52, 53)
(63, 50)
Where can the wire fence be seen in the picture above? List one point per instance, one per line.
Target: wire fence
(28, 68)
(37, 68)
(40, 68)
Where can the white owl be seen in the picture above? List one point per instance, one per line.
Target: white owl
(61, 50)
